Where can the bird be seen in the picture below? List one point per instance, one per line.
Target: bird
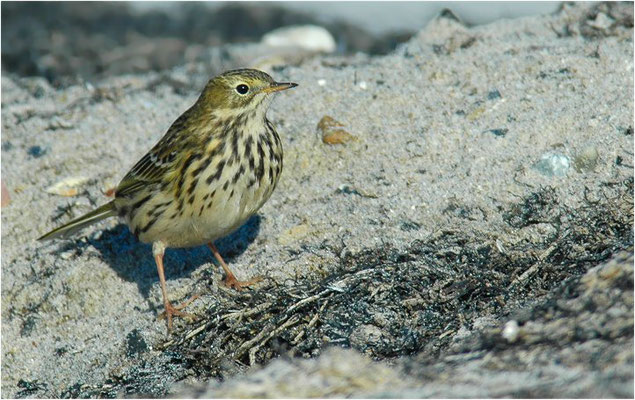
(214, 168)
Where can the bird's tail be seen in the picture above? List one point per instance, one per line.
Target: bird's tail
(105, 211)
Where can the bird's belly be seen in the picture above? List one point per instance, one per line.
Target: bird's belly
(230, 210)
(211, 218)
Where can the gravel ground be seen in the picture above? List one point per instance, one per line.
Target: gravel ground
(478, 228)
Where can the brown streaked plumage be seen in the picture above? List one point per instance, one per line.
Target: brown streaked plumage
(214, 168)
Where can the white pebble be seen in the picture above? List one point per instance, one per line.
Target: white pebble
(601, 21)
(308, 37)
(510, 331)
(321, 82)
(363, 85)
(68, 186)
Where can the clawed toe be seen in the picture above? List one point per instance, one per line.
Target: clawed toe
(175, 311)
(230, 281)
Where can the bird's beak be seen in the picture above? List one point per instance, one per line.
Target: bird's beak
(278, 86)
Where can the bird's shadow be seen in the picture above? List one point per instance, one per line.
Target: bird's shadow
(132, 260)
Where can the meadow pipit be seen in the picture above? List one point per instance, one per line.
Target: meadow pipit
(213, 169)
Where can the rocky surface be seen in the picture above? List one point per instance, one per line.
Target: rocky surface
(474, 240)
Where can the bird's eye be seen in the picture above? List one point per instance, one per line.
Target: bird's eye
(242, 88)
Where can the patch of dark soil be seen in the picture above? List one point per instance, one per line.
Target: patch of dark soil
(150, 378)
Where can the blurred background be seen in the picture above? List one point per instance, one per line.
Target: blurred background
(67, 42)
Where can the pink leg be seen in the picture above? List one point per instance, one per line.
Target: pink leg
(230, 279)
(170, 310)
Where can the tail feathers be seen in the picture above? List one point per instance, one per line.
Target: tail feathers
(105, 211)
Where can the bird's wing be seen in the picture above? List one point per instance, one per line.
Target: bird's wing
(157, 164)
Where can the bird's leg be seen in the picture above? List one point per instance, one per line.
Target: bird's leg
(230, 279)
(158, 249)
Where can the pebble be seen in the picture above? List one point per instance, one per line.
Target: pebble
(500, 132)
(308, 37)
(333, 132)
(36, 151)
(601, 21)
(348, 189)
(586, 160)
(510, 331)
(553, 164)
(67, 186)
(364, 336)
(494, 94)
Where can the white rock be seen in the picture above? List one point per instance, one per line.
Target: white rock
(511, 331)
(601, 21)
(308, 37)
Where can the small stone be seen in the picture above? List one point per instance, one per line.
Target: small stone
(363, 85)
(364, 336)
(601, 21)
(36, 151)
(510, 331)
(619, 161)
(493, 95)
(500, 132)
(348, 189)
(333, 132)
(59, 123)
(553, 164)
(68, 187)
(586, 160)
(308, 37)
(321, 82)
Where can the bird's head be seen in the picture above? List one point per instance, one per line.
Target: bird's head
(241, 90)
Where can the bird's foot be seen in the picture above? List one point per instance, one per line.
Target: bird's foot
(230, 281)
(171, 310)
